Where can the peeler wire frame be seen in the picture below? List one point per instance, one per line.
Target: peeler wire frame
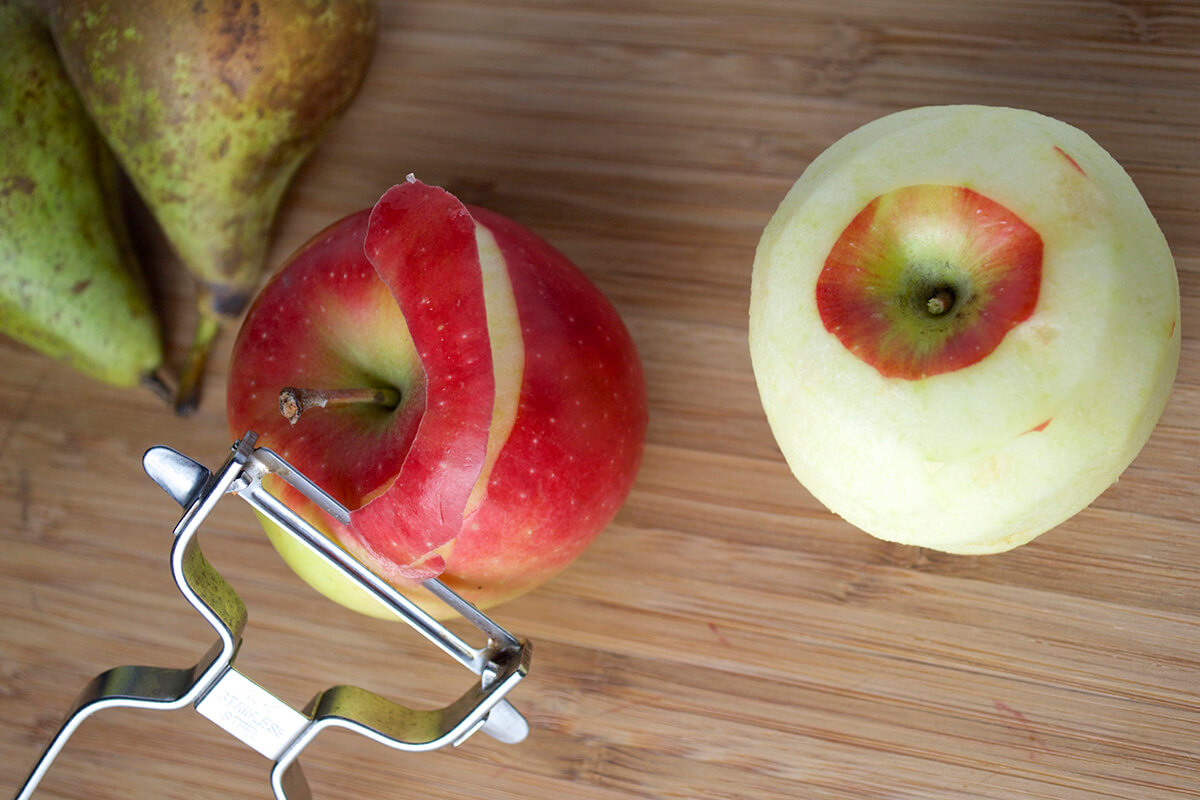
(221, 693)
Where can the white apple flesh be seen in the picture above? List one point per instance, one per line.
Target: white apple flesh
(964, 326)
(519, 406)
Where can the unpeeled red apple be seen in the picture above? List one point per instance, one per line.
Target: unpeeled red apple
(510, 406)
(964, 326)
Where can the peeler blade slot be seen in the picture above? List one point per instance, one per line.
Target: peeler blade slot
(263, 461)
(288, 520)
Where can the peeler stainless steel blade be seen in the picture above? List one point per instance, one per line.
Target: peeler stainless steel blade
(247, 711)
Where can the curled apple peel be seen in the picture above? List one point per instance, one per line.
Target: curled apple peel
(964, 326)
(519, 408)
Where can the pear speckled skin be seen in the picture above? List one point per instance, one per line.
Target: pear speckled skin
(211, 106)
(69, 284)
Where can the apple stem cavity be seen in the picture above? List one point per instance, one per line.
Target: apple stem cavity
(293, 402)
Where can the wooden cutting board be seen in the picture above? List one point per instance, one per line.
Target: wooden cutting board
(726, 637)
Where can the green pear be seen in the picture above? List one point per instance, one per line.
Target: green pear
(210, 107)
(69, 284)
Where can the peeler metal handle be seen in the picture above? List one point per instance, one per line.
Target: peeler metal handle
(247, 711)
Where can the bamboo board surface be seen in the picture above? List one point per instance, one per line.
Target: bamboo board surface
(726, 637)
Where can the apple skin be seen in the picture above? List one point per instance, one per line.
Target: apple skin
(983, 457)
(523, 413)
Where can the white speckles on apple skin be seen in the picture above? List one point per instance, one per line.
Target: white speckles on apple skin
(541, 475)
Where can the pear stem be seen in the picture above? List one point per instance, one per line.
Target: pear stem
(156, 382)
(187, 395)
(293, 402)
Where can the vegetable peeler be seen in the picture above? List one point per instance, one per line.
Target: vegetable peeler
(243, 708)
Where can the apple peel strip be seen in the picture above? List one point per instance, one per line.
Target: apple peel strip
(421, 241)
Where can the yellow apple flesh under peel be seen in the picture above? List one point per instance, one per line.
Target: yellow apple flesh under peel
(983, 457)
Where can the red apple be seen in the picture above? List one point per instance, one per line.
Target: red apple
(509, 404)
(964, 325)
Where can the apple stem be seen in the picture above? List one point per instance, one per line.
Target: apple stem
(293, 402)
(940, 302)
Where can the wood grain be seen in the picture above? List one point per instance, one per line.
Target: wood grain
(726, 637)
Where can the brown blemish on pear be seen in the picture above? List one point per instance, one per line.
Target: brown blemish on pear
(17, 183)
